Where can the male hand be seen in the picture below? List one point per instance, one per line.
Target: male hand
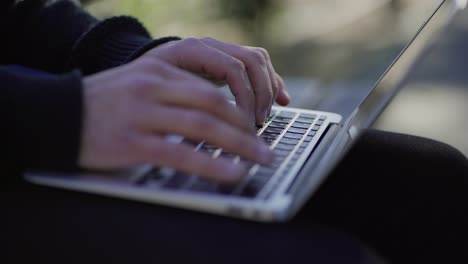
(129, 111)
(247, 70)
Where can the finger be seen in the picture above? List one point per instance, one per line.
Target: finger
(257, 66)
(200, 126)
(283, 96)
(198, 57)
(182, 157)
(210, 101)
(195, 95)
(271, 73)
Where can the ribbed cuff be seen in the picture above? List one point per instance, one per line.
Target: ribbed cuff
(47, 119)
(111, 43)
(154, 43)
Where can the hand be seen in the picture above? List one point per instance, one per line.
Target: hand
(130, 110)
(247, 70)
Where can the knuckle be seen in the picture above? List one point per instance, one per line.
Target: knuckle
(264, 52)
(208, 39)
(192, 42)
(268, 96)
(257, 57)
(140, 85)
(236, 65)
(275, 84)
(147, 63)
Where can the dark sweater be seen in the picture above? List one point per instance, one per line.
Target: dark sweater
(46, 48)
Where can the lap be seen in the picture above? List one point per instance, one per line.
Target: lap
(403, 196)
(57, 226)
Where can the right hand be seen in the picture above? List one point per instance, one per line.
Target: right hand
(129, 110)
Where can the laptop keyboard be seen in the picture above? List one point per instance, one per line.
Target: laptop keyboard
(288, 133)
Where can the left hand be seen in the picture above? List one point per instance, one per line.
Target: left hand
(247, 70)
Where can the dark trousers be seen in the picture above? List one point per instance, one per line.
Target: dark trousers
(404, 197)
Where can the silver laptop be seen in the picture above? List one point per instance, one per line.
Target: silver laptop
(307, 144)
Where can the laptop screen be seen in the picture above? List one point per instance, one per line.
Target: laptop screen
(348, 47)
(389, 84)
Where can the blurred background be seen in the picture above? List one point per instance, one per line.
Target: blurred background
(332, 49)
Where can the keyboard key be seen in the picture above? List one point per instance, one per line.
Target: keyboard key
(191, 142)
(315, 128)
(319, 123)
(203, 185)
(273, 130)
(308, 139)
(272, 114)
(282, 119)
(260, 180)
(292, 135)
(177, 181)
(277, 161)
(247, 163)
(286, 114)
(297, 130)
(208, 151)
(275, 165)
(269, 141)
(300, 150)
(227, 155)
(155, 175)
(289, 141)
(264, 172)
(270, 136)
(207, 147)
(281, 125)
(295, 157)
(281, 153)
(282, 146)
(300, 125)
(312, 133)
(309, 116)
(224, 188)
(152, 175)
(289, 166)
(304, 120)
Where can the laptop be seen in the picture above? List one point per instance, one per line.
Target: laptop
(308, 145)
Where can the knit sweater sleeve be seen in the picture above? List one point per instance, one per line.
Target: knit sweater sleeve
(59, 35)
(41, 118)
(49, 46)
